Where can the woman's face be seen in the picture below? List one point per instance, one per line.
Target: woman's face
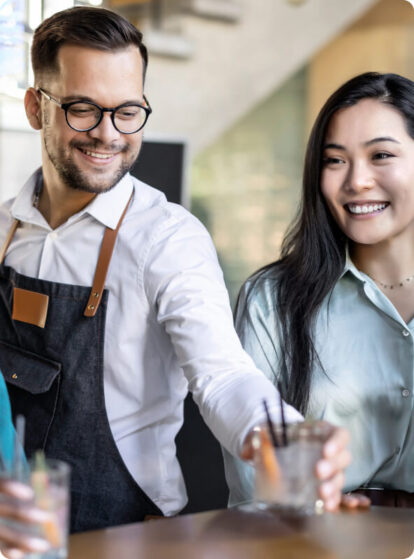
(368, 173)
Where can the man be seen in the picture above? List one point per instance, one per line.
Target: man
(101, 372)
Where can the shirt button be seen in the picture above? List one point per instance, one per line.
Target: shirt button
(405, 393)
(405, 333)
(53, 235)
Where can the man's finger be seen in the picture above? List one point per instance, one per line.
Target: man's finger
(336, 443)
(333, 487)
(332, 504)
(326, 468)
(331, 493)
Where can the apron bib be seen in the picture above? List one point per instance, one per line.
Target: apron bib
(51, 356)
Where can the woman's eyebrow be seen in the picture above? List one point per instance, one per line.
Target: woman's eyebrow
(333, 146)
(368, 143)
(381, 139)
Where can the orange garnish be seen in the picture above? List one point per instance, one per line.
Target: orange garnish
(52, 532)
(268, 458)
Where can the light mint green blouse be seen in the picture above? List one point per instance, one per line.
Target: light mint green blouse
(367, 352)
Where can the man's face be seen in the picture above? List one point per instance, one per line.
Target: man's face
(96, 160)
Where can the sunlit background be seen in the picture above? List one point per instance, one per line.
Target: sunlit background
(239, 82)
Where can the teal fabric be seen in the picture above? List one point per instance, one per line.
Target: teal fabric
(6, 429)
(367, 353)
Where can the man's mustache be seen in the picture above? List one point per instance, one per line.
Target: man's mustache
(98, 145)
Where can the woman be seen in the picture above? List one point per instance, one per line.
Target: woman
(15, 497)
(331, 322)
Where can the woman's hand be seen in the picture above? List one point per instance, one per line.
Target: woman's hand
(16, 506)
(355, 501)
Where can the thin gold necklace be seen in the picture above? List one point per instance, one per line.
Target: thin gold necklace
(401, 283)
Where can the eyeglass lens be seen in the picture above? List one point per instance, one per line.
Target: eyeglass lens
(84, 116)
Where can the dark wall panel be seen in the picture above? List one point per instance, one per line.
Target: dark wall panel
(161, 164)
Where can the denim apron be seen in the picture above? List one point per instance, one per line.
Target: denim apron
(51, 356)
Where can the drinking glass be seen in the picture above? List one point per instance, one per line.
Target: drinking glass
(51, 487)
(285, 477)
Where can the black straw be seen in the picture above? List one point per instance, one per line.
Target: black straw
(282, 416)
(270, 425)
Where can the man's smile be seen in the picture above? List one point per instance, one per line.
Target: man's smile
(98, 154)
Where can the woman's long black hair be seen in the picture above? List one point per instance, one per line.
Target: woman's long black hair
(313, 250)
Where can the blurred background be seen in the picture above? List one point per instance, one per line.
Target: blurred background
(234, 86)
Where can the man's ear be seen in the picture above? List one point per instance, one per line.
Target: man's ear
(32, 107)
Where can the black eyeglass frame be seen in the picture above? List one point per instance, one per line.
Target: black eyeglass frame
(66, 106)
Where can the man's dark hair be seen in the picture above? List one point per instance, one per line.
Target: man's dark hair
(94, 28)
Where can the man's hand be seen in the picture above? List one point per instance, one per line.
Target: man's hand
(329, 470)
(15, 506)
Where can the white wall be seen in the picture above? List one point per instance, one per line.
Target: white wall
(19, 148)
(238, 65)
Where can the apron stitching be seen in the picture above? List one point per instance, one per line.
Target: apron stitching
(53, 411)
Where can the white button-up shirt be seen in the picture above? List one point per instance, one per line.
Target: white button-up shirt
(169, 327)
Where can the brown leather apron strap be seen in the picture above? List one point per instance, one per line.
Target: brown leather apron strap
(102, 266)
(9, 237)
(101, 271)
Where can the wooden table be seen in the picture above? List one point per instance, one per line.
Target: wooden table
(381, 533)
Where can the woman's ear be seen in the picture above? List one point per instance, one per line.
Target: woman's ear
(32, 107)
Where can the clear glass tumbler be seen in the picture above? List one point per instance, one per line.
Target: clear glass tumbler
(285, 477)
(51, 486)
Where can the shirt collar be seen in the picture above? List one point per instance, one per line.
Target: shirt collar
(351, 268)
(106, 208)
(22, 207)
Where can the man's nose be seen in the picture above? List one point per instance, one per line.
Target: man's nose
(105, 131)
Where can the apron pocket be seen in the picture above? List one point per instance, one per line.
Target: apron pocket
(27, 370)
(33, 383)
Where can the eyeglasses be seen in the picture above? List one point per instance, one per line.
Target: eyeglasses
(83, 116)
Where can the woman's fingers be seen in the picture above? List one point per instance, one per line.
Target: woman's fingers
(17, 516)
(12, 540)
(355, 501)
(12, 553)
(16, 489)
(23, 512)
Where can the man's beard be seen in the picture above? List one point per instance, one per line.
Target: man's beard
(74, 178)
